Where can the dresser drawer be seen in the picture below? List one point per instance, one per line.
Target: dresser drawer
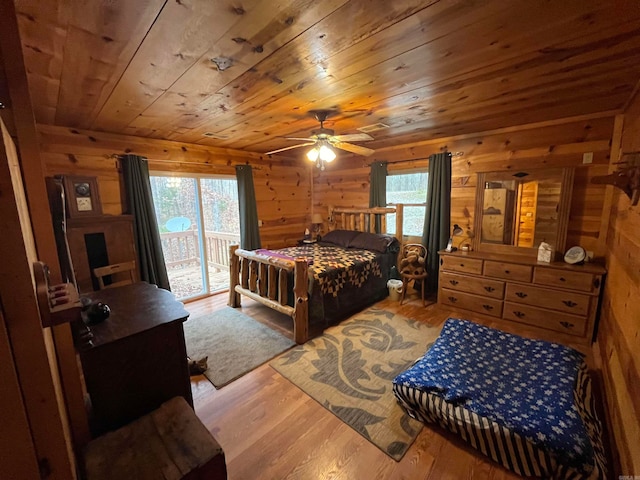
(477, 285)
(564, 279)
(540, 317)
(461, 264)
(570, 302)
(488, 306)
(508, 271)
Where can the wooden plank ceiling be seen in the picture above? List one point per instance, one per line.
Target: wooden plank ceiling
(249, 72)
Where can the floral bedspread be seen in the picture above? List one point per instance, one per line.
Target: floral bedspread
(334, 268)
(342, 281)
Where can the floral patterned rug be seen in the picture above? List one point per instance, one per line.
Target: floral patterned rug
(349, 370)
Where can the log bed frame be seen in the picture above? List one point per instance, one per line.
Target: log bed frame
(265, 279)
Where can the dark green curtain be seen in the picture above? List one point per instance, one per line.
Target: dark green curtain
(438, 215)
(249, 231)
(145, 227)
(378, 187)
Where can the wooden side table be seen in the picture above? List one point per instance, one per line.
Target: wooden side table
(136, 359)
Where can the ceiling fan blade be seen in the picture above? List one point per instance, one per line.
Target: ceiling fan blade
(309, 139)
(354, 137)
(349, 147)
(289, 148)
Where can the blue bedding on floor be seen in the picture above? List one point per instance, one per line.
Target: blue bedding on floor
(525, 385)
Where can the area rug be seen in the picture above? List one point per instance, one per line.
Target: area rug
(349, 370)
(234, 343)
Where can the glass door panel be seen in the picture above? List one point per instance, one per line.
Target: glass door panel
(220, 213)
(177, 206)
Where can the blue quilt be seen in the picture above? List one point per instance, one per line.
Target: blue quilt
(525, 385)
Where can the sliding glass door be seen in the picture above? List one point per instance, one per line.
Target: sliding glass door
(198, 220)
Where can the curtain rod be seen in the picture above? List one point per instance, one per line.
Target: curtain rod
(118, 155)
(453, 154)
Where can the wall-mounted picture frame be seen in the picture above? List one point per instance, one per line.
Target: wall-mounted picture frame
(81, 196)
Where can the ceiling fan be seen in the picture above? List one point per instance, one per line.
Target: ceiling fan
(323, 139)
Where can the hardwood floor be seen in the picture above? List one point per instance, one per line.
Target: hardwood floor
(270, 429)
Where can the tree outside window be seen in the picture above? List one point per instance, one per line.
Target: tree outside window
(409, 189)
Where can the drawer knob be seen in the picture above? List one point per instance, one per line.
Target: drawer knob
(521, 294)
(518, 314)
(562, 279)
(567, 324)
(507, 272)
(569, 303)
(442, 261)
(596, 283)
(452, 299)
(489, 289)
(462, 264)
(487, 307)
(453, 282)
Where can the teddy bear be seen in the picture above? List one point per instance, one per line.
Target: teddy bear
(412, 263)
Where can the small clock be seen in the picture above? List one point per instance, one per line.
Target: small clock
(82, 197)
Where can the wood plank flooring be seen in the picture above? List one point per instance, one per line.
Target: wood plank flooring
(270, 429)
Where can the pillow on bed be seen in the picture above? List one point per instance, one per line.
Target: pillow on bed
(377, 242)
(342, 238)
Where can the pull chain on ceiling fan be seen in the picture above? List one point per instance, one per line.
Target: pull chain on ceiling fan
(323, 139)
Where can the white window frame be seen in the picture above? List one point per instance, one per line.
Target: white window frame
(406, 232)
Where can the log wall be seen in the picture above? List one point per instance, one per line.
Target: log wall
(620, 316)
(283, 190)
(558, 143)
(288, 192)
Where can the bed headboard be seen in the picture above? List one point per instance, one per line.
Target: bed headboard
(364, 219)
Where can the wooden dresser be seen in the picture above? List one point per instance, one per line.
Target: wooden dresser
(556, 297)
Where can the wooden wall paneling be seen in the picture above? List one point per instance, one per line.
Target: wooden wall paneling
(282, 186)
(552, 143)
(42, 397)
(619, 318)
(54, 395)
(16, 436)
(616, 143)
(579, 129)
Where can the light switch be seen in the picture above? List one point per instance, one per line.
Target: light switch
(587, 157)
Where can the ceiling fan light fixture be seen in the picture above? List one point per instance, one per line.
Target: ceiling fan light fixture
(313, 154)
(327, 154)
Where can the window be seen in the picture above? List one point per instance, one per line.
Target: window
(409, 189)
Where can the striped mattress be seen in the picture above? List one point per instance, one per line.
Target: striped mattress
(527, 404)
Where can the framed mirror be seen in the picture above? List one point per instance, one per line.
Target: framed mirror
(516, 211)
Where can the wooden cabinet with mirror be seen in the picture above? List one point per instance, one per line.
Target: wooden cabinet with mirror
(516, 211)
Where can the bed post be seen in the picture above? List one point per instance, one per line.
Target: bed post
(399, 216)
(301, 302)
(234, 270)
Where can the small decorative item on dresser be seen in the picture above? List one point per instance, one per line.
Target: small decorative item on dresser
(575, 255)
(545, 253)
(82, 197)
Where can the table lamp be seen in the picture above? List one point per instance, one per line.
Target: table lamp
(454, 233)
(316, 222)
